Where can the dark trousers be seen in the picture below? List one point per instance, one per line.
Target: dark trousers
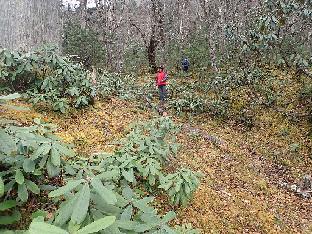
(185, 68)
(162, 92)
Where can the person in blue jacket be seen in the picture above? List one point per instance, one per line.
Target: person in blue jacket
(185, 64)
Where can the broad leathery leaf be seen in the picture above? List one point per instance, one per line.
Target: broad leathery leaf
(187, 189)
(109, 175)
(143, 228)
(127, 192)
(151, 180)
(41, 227)
(66, 210)
(127, 213)
(9, 186)
(16, 108)
(150, 217)
(7, 143)
(128, 175)
(63, 150)
(102, 206)
(5, 220)
(178, 185)
(39, 213)
(142, 204)
(127, 225)
(168, 230)
(43, 149)
(51, 169)
(32, 187)
(169, 216)
(19, 177)
(1, 187)
(166, 186)
(82, 205)
(10, 96)
(112, 229)
(29, 165)
(65, 189)
(22, 192)
(43, 161)
(97, 225)
(72, 227)
(107, 195)
(55, 157)
(5, 205)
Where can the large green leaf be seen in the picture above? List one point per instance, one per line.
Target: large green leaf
(1, 187)
(5, 220)
(39, 213)
(128, 175)
(16, 108)
(19, 177)
(10, 97)
(97, 225)
(51, 169)
(22, 192)
(5, 205)
(142, 204)
(7, 144)
(55, 157)
(45, 228)
(43, 149)
(127, 213)
(66, 210)
(169, 216)
(65, 189)
(82, 205)
(32, 187)
(29, 165)
(63, 150)
(108, 195)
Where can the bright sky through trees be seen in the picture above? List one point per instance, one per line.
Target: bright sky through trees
(75, 3)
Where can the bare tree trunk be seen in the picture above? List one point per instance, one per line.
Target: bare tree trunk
(83, 13)
(25, 24)
(151, 53)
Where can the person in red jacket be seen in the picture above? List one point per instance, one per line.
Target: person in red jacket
(161, 82)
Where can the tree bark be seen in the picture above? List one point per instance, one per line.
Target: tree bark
(25, 24)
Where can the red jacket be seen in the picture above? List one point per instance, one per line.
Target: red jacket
(161, 78)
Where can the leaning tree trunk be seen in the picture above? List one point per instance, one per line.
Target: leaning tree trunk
(25, 24)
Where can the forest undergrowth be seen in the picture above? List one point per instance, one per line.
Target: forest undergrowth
(244, 171)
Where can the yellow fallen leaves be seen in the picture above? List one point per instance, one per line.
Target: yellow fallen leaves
(238, 193)
(94, 129)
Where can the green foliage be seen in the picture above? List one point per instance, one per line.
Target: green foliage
(97, 196)
(144, 151)
(188, 102)
(135, 59)
(180, 186)
(38, 226)
(102, 183)
(117, 85)
(46, 77)
(83, 45)
(26, 154)
(8, 213)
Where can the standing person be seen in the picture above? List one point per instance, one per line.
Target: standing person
(161, 82)
(185, 64)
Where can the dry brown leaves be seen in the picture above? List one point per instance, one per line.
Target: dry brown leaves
(239, 192)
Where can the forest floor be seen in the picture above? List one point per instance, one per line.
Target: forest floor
(241, 190)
